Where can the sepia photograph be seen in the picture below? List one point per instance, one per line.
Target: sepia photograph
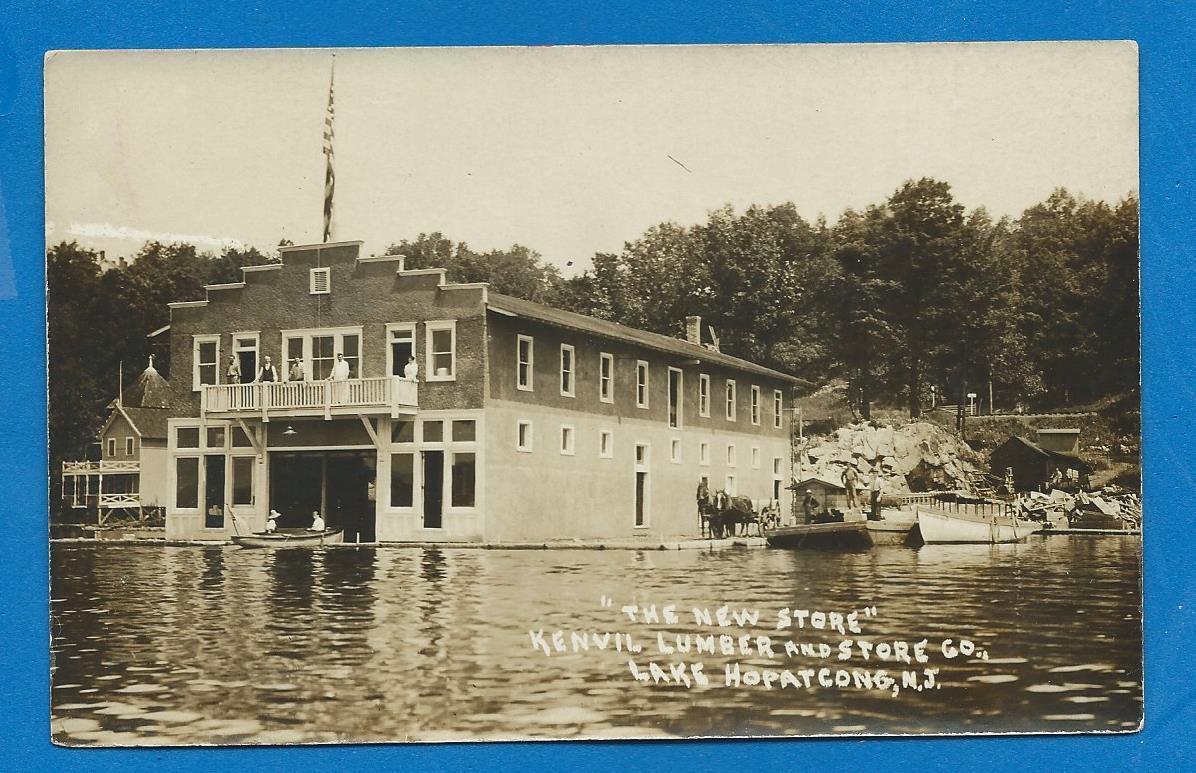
(593, 392)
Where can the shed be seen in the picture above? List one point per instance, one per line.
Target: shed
(1033, 465)
(830, 493)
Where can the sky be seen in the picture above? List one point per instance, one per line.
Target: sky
(567, 150)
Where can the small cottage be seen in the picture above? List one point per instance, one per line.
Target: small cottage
(1033, 465)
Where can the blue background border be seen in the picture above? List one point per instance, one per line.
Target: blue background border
(1165, 36)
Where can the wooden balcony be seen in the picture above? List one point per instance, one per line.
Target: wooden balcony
(359, 396)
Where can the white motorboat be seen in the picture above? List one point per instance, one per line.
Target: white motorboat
(939, 528)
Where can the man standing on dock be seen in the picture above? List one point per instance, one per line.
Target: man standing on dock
(850, 479)
(874, 486)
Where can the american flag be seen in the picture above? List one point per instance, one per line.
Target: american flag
(329, 175)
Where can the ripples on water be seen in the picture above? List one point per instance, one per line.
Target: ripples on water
(156, 645)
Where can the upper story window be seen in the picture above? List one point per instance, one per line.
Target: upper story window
(703, 395)
(316, 352)
(567, 368)
(205, 359)
(755, 404)
(606, 377)
(778, 408)
(128, 446)
(320, 281)
(524, 355)
(675, 398)
(730, 399)
(111, 446)
(400, 351)
(641, 384)
(442, 351)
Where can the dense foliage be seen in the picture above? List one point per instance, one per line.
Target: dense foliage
(908, 295)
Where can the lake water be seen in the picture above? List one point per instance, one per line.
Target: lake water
(205, 645)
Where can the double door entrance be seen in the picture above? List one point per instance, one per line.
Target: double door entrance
(340, 485)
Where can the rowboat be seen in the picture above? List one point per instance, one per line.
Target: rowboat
(940, 528)
(290, 538)
(852, 534)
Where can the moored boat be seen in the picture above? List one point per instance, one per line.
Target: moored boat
(893, 528)
(944, 528)
(852, 534)
(290, 538)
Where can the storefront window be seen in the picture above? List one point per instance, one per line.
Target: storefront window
(464, 472)
(402, 480)
(186, 483)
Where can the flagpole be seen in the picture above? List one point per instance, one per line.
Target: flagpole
(329, 173)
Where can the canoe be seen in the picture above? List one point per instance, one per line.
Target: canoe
(290, 538)
(945, 528)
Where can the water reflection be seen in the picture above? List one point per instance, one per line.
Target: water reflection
(220, 645)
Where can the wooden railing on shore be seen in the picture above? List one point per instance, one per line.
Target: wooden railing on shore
(310, 397)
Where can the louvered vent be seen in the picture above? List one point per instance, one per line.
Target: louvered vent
(321, 283)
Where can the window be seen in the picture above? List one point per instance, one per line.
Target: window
(243, 479)
(442, 351)
(320, 281)
(675, 395)
(186, 437)
(755, 457)
(606, 377)
(245, 349)
(567, 370)
(641, 453)
(777, 408)
(465, 431)
(730, 399)
(730, 454)
(214, 438)
(777, 478)
(464, 474)
(524, 363)
(402, 480)
(523, 437)
(400, 347)
(433, 431)
(730, 487)
(703, 452)
(641, 384)
(402, 431)
(606, 444)
(755, 405)
(675, 451)
(240, 439)
(186, 483)
(128, 446)
(776, 465)
(317, 350)
(704, 395)
(111, 446)
(205, 356)
(566, 440)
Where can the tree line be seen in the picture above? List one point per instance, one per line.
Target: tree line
(913, 296)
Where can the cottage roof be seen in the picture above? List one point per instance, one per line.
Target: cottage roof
(821, 480)
(506, 304)
(1071, 459)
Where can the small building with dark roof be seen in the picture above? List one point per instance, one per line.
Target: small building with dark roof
(1033, 465)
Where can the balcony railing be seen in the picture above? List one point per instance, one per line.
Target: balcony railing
(387, 394)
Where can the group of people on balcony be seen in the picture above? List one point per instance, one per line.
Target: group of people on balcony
(340, 370)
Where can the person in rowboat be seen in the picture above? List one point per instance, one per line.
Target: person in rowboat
(317, 521)
(272, 522)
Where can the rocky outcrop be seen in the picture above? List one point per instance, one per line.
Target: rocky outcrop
(918, 456)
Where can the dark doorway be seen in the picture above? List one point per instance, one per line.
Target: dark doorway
(248, 362)
(347, 482)
(641, 478)
(336, 483)
(433, 489)
(296, 488)
(213, 495)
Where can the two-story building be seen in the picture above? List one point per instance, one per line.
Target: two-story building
(524, 423)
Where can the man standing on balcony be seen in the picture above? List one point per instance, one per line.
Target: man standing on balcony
(340, 373)
(296, 370)
(234, 370)
(267, 372)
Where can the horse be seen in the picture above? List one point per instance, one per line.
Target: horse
(730, 512)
